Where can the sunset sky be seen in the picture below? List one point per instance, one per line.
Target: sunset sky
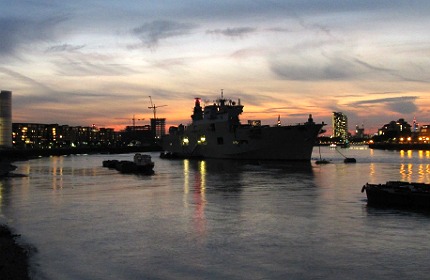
(84, 62)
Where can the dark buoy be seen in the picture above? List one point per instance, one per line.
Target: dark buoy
(349, 160)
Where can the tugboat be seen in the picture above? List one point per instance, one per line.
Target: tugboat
(141, 164)
(216, 132)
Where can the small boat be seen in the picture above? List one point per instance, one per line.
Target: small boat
(110, 163)
(141, 163)
(126, 166)
(321, 160)
(398, 194)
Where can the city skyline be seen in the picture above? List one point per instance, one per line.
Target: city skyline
(330, 126)
(98, 62)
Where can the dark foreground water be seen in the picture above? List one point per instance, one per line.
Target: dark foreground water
(218, 219)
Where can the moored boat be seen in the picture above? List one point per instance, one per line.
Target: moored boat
(322, 161)
(141, 163)
(349, 160)
(110, 163)
(216, 132)
(398, 194)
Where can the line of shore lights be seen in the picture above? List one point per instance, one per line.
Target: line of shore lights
(420, 139)
(401, 139)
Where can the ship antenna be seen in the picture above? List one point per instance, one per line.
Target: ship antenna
(222, 93)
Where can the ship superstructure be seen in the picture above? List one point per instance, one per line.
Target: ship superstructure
(216, 132)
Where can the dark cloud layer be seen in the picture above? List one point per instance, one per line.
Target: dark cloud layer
(403, 104)
(232, 32)
(152, 32)
(17, 32)
(64, 47)
(335, 69)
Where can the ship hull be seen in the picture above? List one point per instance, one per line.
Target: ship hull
(225, 141)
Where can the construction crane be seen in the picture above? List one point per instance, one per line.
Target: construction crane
(133, 119)
(154, 108)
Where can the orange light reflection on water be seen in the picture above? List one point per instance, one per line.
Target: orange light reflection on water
(57, 172)
(406, 171)
(406, 154)
(195, 183)
(372, 169)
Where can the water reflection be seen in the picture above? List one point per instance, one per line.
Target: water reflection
(424, 154)
(194, 219)
(219, 175)
(57, 166)
(62, 170)
(414, 154)
(5, 190)
(195, 182)
(407, 172)
(372, 169)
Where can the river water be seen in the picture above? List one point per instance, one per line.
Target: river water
(218, 219)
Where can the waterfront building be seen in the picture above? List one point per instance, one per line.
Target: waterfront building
(47, 136)
(158, 127)
(5, 119)
(359, 132)
(424, 134)
(395, 129)
(340, 125)
(28, 135)
(42, 136)
(138, 135)
(425, 130)
(108, 136)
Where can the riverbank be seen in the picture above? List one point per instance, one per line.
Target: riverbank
(23, 154)
(14, 263)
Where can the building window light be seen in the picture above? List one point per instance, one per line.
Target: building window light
(185, 141)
